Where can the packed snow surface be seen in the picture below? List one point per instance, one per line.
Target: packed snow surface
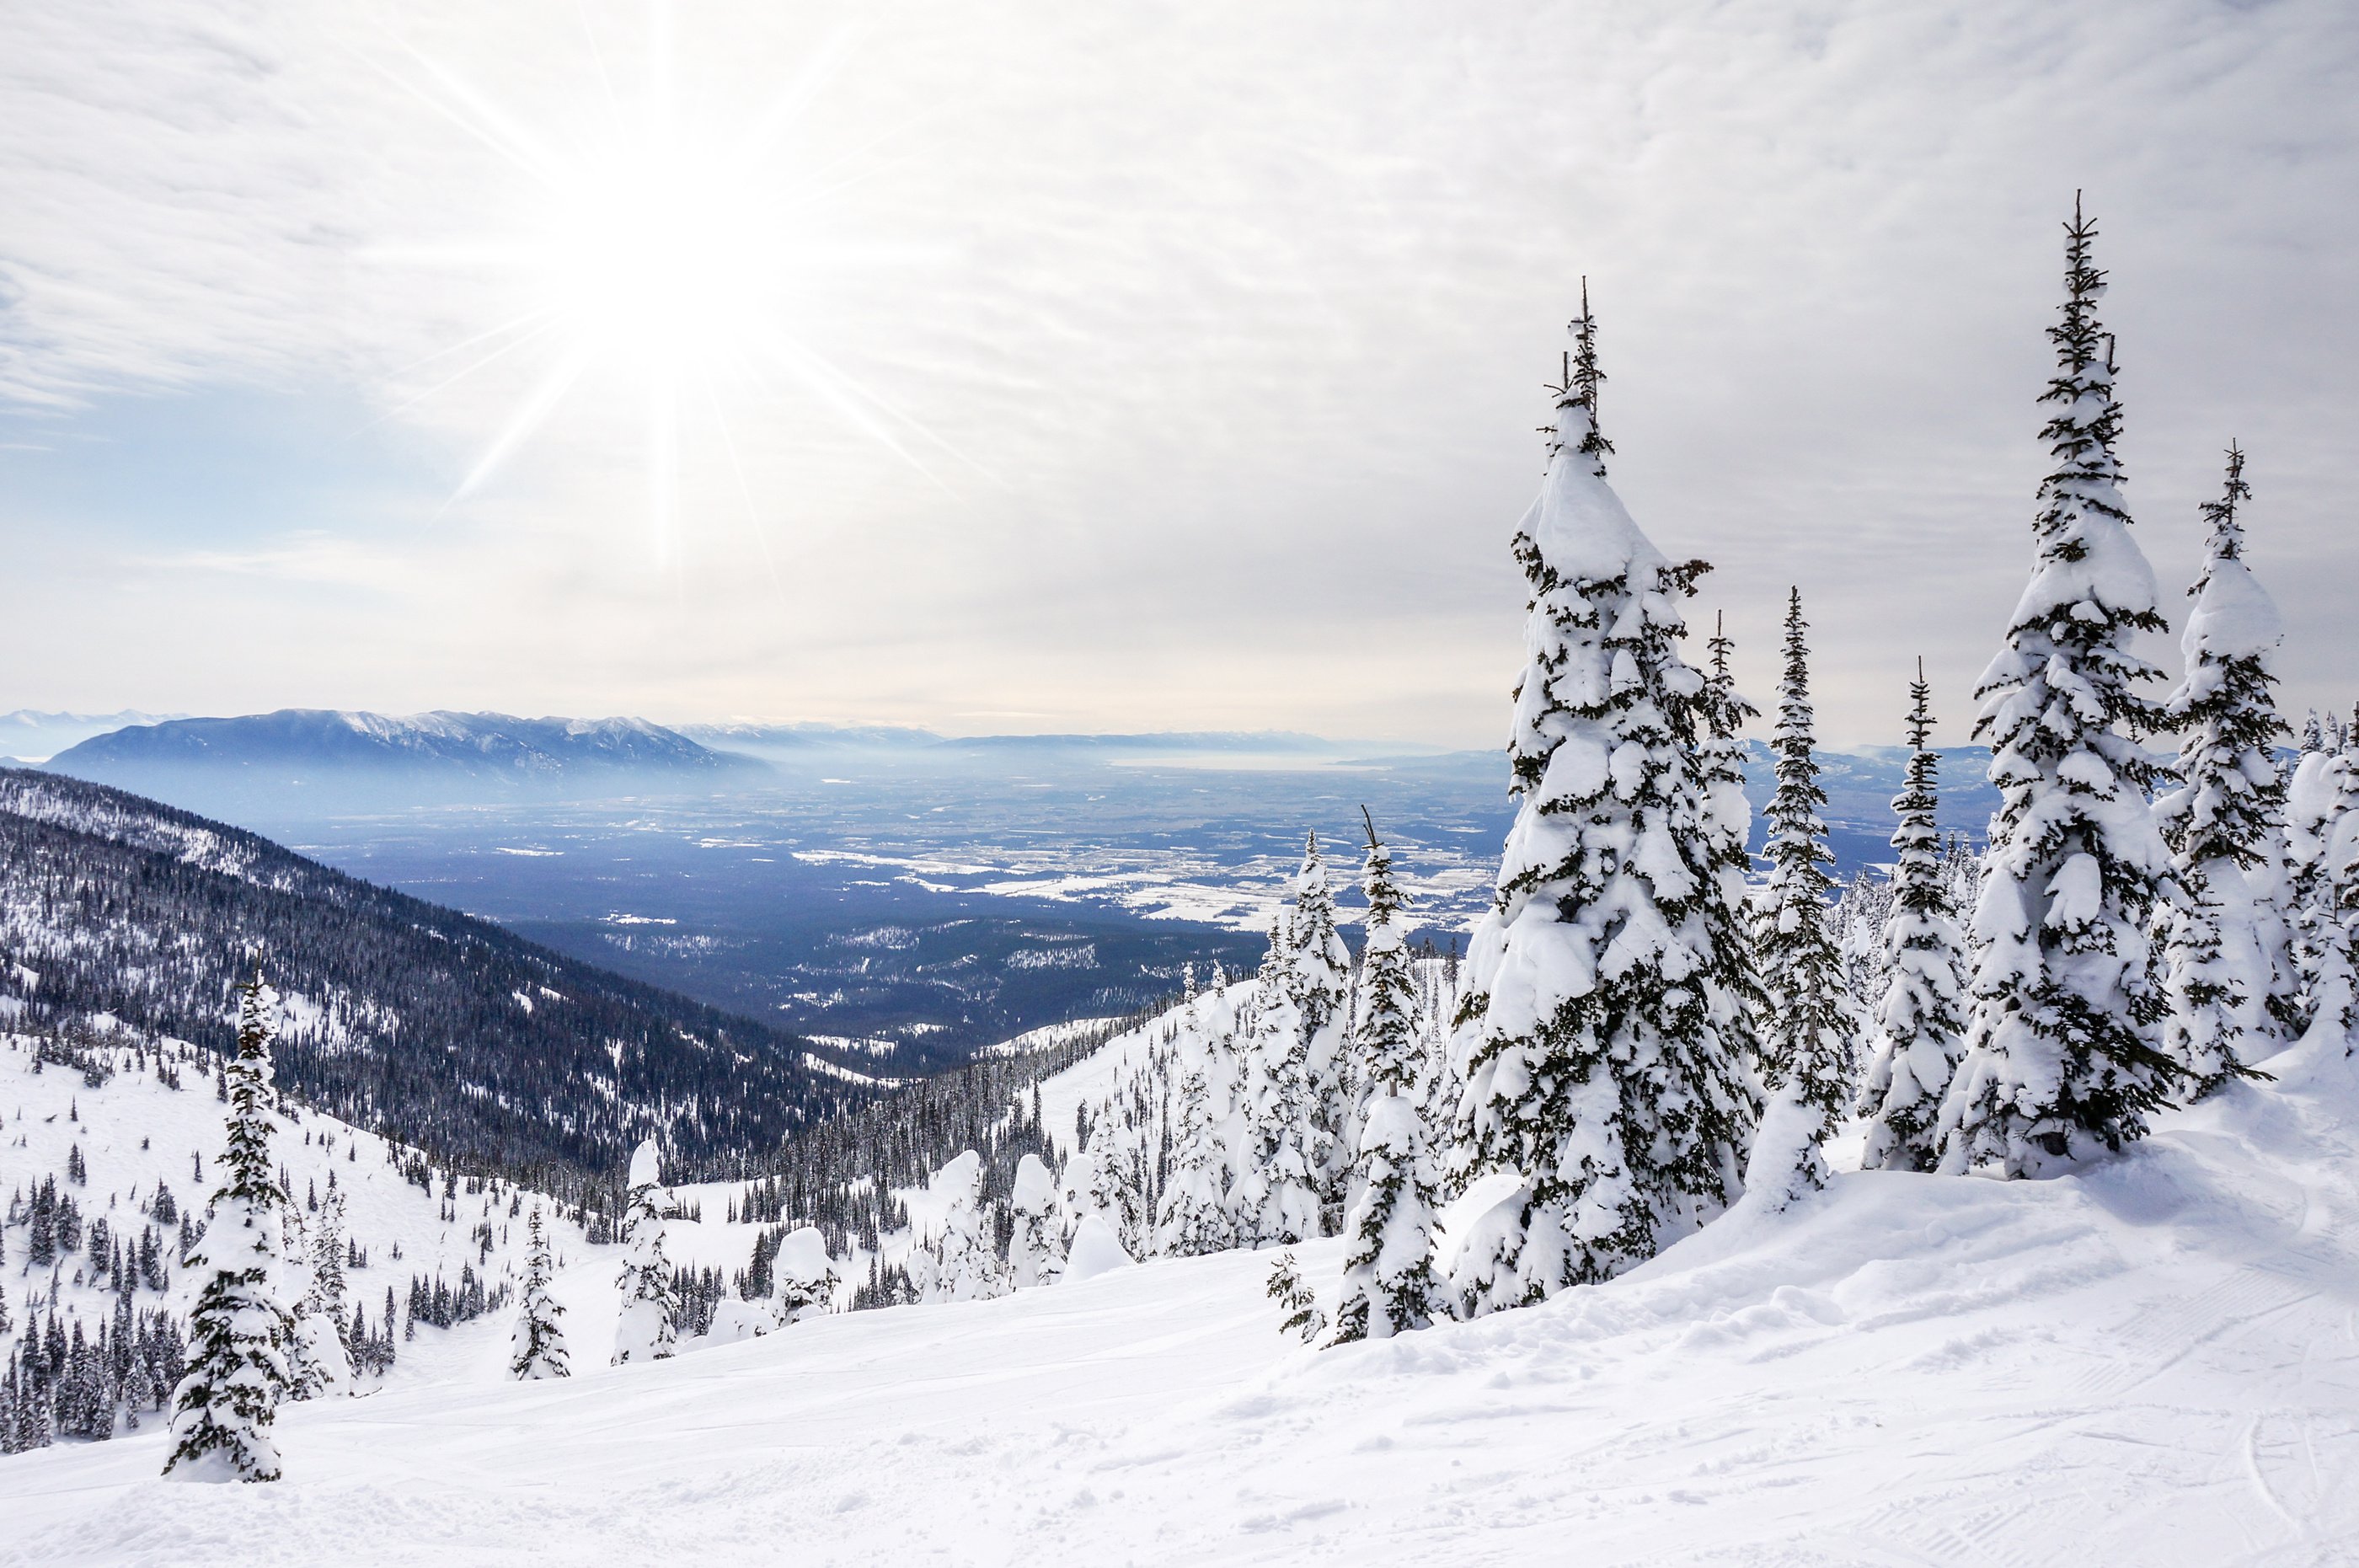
(2153, 1361)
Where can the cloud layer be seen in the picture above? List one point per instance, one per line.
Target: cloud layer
(1159, 366)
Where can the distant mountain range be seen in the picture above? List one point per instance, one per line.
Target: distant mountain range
(30, 735)
(304, 765)
(359, 758)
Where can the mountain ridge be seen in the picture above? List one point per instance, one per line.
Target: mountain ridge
(427, 1025)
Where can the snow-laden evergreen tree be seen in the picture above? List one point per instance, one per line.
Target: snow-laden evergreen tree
(1921, 1025)
(1723, 711)
(322, 1361)
(2322, 822)
(1319, 965)
(803, 1278)
(1594, 1029)
(958, 1259)
(645, 1330)
(1036, 1242)
(1100, 1180)
(1287, 1288)
(1389, 1284)
(1195, 1217)
(2064, 1039)
(1275, 1198)
(2226, 822)
(537, 1345)
(1809, 1037)
(239, 1329)
(1320, 971)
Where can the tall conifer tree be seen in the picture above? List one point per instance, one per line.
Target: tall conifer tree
(1809, 1038)
(2323, 813)
(536, 1347)
(1320, 974)
(2226, 822)
(1593, 1034)
(1920, 1023)
(1389, 1284)
(2063, 1055)
(240, 1332)
(644, 1330)
(1724, 713)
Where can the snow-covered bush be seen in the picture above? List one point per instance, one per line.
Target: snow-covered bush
(645, 1329)
(957, 1258)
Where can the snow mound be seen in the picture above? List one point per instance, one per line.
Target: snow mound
(1095, 1250)
(646, 1165)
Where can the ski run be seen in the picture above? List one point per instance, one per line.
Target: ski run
(2001, 1208)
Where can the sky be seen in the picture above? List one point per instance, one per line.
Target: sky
(1067, 367)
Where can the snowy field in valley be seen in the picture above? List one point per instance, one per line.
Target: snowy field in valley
(2156, 1362)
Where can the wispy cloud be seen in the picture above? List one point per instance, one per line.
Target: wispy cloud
(1235, 315)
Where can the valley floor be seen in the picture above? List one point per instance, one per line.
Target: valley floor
(2155, 1363)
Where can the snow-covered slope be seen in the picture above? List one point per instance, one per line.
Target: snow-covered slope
(136, 1133)
(424, 1023)
(2156, 1362)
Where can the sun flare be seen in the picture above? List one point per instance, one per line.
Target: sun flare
(665, 252)
(671, 258)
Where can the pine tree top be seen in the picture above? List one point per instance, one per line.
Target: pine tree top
(2092, 587)
(1796, 832)
(2227, 537)
(1920, 712)
(248, 1172)
(2081, 435)
(1385, 901)
(2231, 795)
(1723, 708)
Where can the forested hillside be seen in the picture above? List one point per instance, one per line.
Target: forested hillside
(415, 1021)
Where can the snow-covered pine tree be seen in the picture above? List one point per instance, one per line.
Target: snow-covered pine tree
(1921, 1025)
(1274, 1199)
(1810, 1044)
(644, 1330)
(2063, 1047)
(803, 1278)
(1320, 970)
(323, 1362)
(1195, 1217)
(1735, 984)
(1287, 1288)
(1098, 1182)
(2322, 834)
(1320, 965)
(1035, 1241)
(959, 1259)
(1389, 1284)
(239, 1329)
(537, 1345)
(1593, 1029)
(2226, 822)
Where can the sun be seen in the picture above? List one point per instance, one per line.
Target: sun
(666, 253)
(663, 252)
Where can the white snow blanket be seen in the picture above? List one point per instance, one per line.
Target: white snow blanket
(2153, 1361)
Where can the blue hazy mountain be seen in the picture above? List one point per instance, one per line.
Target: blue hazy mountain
(347, 760)
(30, 735)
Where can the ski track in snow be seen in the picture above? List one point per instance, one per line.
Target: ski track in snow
(2154, 1363)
